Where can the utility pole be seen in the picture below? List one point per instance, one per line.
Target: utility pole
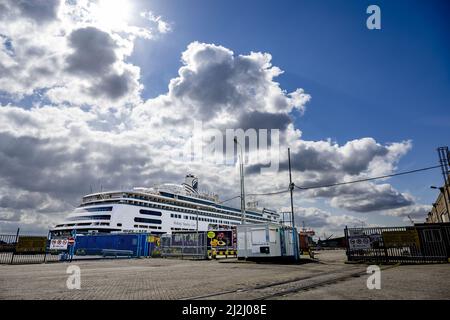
(241, 174)
(291, 189)
(198, 242)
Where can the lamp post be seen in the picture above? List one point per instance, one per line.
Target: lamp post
(291, 189)
(241, 173)
(442, 190)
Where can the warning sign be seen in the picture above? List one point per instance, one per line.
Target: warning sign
(359, 243)
(31, 244)
(401, 238)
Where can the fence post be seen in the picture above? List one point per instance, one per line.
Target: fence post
(205, 244)
(347, 246)
(138, 247)
(45, 253)
(182, 245)
(15, 246)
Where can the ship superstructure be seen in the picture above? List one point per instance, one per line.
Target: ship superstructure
(160, 209)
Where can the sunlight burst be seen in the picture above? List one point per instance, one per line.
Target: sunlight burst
(112, 13)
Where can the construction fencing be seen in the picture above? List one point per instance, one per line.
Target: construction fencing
(199, 244)
(424, 243)
(185, 245)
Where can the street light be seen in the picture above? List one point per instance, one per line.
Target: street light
(241, 172)
(442, 190)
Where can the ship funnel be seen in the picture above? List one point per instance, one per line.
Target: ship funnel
(191, 181)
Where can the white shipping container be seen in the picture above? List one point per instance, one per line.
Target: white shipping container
(265, 240)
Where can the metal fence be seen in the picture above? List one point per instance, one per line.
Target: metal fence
(24, 249)
(185, 245)
(410, 244)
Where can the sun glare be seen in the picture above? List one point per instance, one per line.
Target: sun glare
(112, 13)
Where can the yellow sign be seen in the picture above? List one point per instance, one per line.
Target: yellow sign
(401, 238)
(211, 234)
(31, 244)
(150, 239)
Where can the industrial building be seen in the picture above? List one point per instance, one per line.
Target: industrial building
(440, 211)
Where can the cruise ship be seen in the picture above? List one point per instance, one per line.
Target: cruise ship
(157, 210)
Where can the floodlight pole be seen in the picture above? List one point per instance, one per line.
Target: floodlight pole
(291, 189)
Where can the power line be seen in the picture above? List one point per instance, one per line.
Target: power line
(335, 184)
(367, 179)
(257, 194)
(229, 199)
(268, 193)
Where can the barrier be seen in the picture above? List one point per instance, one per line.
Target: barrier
(139, 244)
(25, 249)
(184, 245)
(422, 243)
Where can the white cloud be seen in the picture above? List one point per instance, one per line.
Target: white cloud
(70, 52)
(163, 26)
(416, 212)
(322, 221)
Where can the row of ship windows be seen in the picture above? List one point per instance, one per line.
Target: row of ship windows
(157, 206)
(83, 224)
(146, 227)
(79, 210)
(145, 220)
(178, 216)
(97, 217)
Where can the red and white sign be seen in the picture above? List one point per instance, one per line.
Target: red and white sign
(59, 244)
(71, 241)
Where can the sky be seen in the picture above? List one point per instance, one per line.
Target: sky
(104, 93)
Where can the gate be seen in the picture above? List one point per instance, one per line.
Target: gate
(24, 249)
(185, 244)
(419, 244)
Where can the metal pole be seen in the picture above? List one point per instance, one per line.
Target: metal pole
(15, 246)
(198, 240)
(346, 243)
(240, 183)
(243, 187)
(291, 189)
(45, 252)
(241, 177)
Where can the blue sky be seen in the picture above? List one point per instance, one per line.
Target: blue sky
(391, 84)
